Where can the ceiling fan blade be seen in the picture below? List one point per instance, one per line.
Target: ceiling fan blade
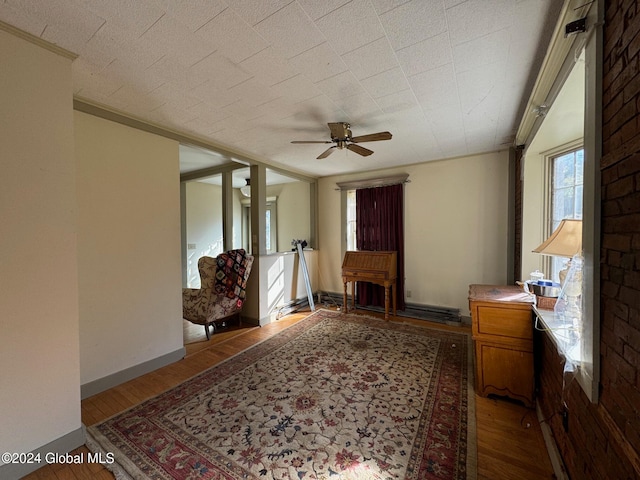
(326, 153)
(311, 141)
(372, 137)
(365, 152)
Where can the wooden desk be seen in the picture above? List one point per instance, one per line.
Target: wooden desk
(374, 267)
(502, 327)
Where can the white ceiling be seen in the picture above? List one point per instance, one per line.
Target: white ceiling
(445, 77)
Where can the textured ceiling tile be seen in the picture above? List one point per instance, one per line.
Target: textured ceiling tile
(290, 30)
(194, 13)
(491, 48)
(425, 55)
(340, 86)
(316, 9)
(170, 115)
(136, 100)
(397, 102)
(383, 6)
(14, 14)
(269, 67)
(220, 71)
(371, 59)
(145, 59)
(318, 63)
(253, 92)
(480, 86)
(385, 83)
(65, 24)
(232, 36)
(89, 85)
(360, 109)
(413, 22)
(435, 88)
(124, 15)
(351, 26)
(319, 111)
(173, 70)
(477, 18)
(297, 89)
(254, 11)
(169, 37)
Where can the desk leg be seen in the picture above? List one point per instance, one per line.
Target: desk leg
(353, 295)
(386, 302)
(345, 307)
(395, 299)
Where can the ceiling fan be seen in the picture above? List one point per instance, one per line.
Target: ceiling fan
(341, 136)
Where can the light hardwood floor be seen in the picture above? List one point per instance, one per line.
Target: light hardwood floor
(510, 443)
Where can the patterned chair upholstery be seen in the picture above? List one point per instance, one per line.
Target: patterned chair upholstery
(222, 289)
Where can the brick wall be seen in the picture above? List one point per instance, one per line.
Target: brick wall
(603, 441)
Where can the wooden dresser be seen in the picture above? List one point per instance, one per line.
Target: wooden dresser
(502, 327)
(375, 267)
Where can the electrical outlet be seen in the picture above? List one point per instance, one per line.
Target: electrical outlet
(408, 293)
(191, 246)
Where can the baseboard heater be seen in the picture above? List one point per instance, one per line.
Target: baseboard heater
(414, 310)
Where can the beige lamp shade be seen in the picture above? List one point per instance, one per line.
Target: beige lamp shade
(565, 241)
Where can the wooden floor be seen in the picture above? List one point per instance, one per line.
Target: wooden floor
(510, 443)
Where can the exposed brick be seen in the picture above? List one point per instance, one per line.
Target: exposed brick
(612, 106)
(630, 203)
(611, 207)
(626, 113)
(629, 130)
(630, 165)
(619, 188)
(621, 243)
(622, 223)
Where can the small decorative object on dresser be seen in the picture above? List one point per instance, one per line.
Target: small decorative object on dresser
(502, 329)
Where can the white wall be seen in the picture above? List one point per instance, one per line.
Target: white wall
(294, 212)
(128, 246)
(39, 355)
(204, 226)
(281, 280)
(455, 228)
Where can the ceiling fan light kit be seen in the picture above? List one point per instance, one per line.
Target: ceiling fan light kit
(342, 137)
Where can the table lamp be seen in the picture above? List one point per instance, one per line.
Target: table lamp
(565, 241)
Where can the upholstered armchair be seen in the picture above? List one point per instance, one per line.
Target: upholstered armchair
(222, 289)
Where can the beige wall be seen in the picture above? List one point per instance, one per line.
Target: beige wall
(129, 246)
(204, 226)
(455, 228)
(39, 355)
(293, 212)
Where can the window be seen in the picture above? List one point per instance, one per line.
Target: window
(567, 179)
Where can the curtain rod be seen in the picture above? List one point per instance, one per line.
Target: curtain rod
(374, 182)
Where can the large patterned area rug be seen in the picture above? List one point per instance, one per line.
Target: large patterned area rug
(334, 396)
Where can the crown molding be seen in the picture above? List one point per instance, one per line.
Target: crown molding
(37, 41)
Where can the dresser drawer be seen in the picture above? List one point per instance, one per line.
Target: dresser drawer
(504, 322)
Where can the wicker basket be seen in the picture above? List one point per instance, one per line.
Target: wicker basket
(545, 303)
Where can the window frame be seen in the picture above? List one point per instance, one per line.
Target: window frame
(548, 194)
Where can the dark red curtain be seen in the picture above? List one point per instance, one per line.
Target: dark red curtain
(379, 226)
